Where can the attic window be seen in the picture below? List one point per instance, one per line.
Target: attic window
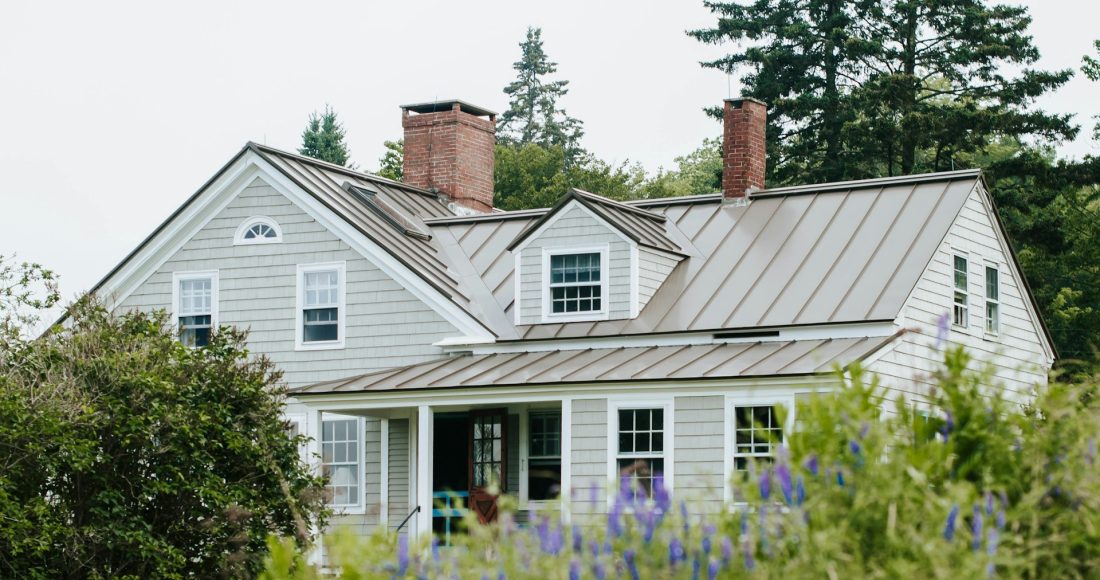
(575, 284)
(258, 230)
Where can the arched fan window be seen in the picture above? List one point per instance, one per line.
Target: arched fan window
(258, 230)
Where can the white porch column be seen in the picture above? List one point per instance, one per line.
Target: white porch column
(313, 453)
(424, 437)
(566, 457)
(384, 480)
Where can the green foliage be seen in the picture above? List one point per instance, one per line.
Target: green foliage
(125, 454)
(531, 176)
(1091, 70)
(323, 138)
(698, 172)
(861, 88)
(534, 114)
(972, 485)
(26, 289)
(392, 163)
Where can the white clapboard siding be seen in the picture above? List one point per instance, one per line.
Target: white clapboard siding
(700, 445)
(589, 456)
(1015, 355)
(654, 267)
(386, 325)
(399, 473)
(575, 228)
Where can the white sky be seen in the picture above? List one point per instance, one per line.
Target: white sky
(113, 113)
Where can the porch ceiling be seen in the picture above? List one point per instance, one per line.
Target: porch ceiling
(634, 364)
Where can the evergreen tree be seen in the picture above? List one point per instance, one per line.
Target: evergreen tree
(1091, 69)
(323, 138)
(392, 164)
(534, 114)
(861, 88)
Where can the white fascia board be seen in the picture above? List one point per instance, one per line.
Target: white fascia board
(466, 397)
(819, 332)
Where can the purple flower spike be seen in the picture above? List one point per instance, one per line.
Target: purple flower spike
(811, 465)
(976, 529)
(864, 428)
(626, 490)
(577, 538)
(727, 549)
(696, 565)
(599, 571)
(746, 547)
(854, 447)
(948, 425)
(575, 569)
(676, 552)
(705, 545)
(988, 503)
(594, 547)
(712, 569)
(839, 477)
(1000, 521)
(943, 327)
(800, 492)
(615, 520)
(783, 474)
(435, 550)
(744, 523)
(402, 555)
(949, 527)
(765, 483)
(992, 541)
(661, 498)
(650, 527)
(631, 565)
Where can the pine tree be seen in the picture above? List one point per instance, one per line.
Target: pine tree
(392, 164)
(323, 138)
(533, 114)
(1091, 69)
(861, 88)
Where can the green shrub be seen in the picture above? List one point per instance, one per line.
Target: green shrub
(975, 487)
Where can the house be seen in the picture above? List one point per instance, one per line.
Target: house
(435, 344)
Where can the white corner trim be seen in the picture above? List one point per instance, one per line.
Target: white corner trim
(786, 400)
(566, 456)
(604, 250)
(617, 402)
(517, 309)
(178, 277)
(384, 475)
(635, 298)
(238, 236)
(341, 305)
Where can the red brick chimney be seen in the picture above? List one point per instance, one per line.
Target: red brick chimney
(449, 147)
(744, 121)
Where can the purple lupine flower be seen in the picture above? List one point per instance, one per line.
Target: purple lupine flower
(783, 474)
(712, 569)
(435, 550)
(765, 483)
(864, 429)
(705, 545)
(746, 548)
(574, 569)
(988, 503)
(676, 552)
(811, 464)
(854, 447)
(614, 519)
(599, 571)
(727, 549)
(1000, 521)
(800, 491)
(650, 527)
(594, 547)
(684, 515)
(501, 575)
(948, 426)
(661, 497)
(577, 538)
(976, 528)
(626, 490)
(631, 565)
(943, 328)
(839, 477)
(992, 541)
(744, 523)
(696, 565)
(949, 527)
(402, 555)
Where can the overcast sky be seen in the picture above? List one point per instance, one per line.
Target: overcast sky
(113, 113)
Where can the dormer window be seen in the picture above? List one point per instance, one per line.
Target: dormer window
(576, 287)
(258, 230)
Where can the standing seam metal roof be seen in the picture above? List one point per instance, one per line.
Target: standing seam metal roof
(624, 364)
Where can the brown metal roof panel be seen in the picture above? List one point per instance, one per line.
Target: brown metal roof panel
(571, 366)
(736, 365)
(528, 373)
(824, 353)
(484, 365)
(761, 288)
(663, 368)
(788, 353)
(819, 260)
(491, 374)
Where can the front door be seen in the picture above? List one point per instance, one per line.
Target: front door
(488, 457)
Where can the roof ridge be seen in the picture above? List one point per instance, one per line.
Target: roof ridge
(869, 182)
(616, 204)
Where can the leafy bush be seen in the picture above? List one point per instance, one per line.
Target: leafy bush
(976, 487)
(124, 453)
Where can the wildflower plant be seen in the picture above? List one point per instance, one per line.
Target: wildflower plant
(868, 485)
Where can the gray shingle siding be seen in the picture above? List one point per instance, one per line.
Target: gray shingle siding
(653, 267)
(386, 325)
(399, 472)
(699, 448)
(589, 454)
(574, 228)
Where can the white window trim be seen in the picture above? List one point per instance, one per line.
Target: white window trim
(985, 299)
(669, 455)
(969, 303)
(341, 285)
(525, 413)
(749, 400)
(239, 239)
(300, 419)
(178, 277)
(604, 251)
(359, 507)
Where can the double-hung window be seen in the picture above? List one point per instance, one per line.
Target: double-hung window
(641, 448)
(992, 300)
(543, 455)
(576, 284)
(341, 451)
(961, 310)
(321, 306)
(756, 433)
(195, 299)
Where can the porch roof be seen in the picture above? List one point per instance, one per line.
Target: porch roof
(623, 364)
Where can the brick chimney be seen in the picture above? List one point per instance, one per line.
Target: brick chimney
(449, 147)
(743, 166)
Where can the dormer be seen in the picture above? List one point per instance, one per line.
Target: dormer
(589, 258)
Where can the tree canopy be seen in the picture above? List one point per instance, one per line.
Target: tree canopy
(862, 88)
(534, 113)
(323, 138)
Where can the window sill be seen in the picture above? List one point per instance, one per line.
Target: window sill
(585, 317)
(349, 510)
(319, 345)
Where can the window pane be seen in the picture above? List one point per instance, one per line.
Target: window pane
(194, 330)
(992, 292)
(195, 296)
(320, 324)
(626, 420)
(757, 432)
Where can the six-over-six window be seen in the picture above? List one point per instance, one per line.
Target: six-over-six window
(641, 452)
(340, 457)
(575, 285)
(756, 433)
